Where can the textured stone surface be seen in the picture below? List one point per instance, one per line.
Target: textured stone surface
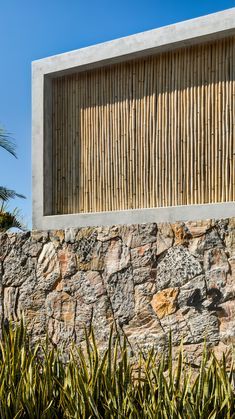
(148, 279)
(165, 302)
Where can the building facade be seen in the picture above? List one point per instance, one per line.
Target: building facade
(138, 129)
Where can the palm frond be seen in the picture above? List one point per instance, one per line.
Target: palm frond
(6, 194)
(10, 219)
(7, 143)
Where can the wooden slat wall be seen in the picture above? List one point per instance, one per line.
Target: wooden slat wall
(158, 131)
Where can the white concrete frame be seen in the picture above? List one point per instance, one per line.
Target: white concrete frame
(190, 32)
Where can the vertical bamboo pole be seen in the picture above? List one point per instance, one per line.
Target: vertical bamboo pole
(225, 162)
(220, 116)
(160, 138)
(155, 131)
(233, 123)
(153, 138)
(208, 139)
(223, 121)
(183, 128)
(188, 124)
(202, 161)
(81, 148)
(54, 144)
(116, 139)
(133, 135)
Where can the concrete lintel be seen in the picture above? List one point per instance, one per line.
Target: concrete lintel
(184, 33)
(137, 216)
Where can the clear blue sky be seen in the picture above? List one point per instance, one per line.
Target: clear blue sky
(31, 29)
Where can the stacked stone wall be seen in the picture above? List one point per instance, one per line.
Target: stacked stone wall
(148, 279)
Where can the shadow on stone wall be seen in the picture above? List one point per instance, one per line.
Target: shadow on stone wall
(149, 279)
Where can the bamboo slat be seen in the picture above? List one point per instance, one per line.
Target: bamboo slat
(152, 132)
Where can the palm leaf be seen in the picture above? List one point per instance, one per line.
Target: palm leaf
(6, 194)
(10, 219)
(7, 143)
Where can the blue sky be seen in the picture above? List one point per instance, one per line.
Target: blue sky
(31, 29)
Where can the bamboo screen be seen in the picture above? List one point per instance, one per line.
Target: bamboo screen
(157, 131)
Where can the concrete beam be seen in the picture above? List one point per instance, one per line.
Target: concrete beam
(189, 32)
(137, 216)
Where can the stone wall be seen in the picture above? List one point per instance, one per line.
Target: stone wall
(149, 278)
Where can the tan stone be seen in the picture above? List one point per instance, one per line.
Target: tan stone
(198, 228)
(38, 235)
(63, 281)
(85, 233)
(194, 244)
(61, 306)
(107, 233)
(60, 331)
(63, 261)
(10, 303)
(67, 261)
(165, 302)
(60, 235)
(47, 261)
(57, 235)
(181, 233)
(117, 257)
(94, 283)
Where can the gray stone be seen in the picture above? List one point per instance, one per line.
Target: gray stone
(165, 237)
(143, 256)
(120, 290)
(147, 279)
(193, 293)
(177, 267)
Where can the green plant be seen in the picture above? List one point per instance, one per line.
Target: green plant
(8, 219)
(35, 382)
(7, 144)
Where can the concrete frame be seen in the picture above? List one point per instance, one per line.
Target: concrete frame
(190, 32)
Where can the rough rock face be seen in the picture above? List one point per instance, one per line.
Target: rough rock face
(148, 279)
